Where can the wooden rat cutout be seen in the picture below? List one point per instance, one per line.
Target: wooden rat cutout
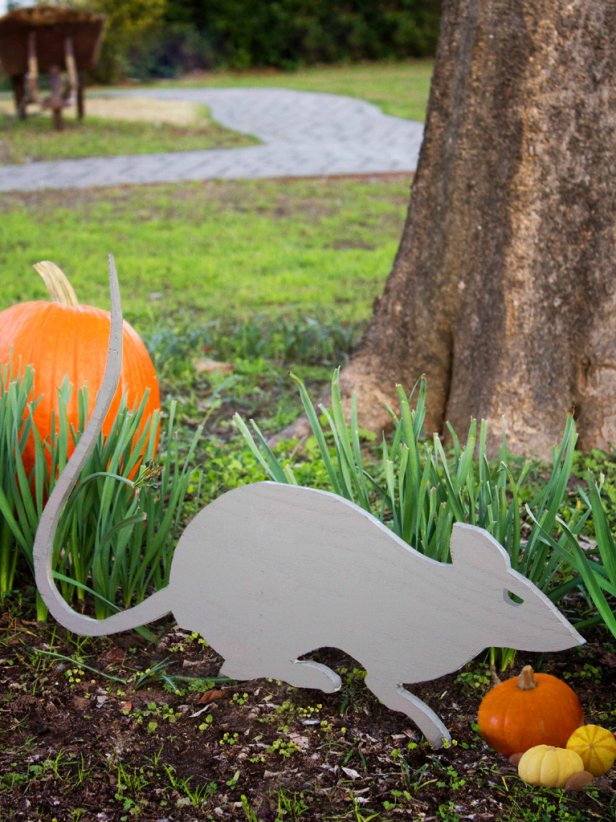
(269, 572)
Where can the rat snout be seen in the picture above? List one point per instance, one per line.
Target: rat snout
(537, 624)
(524, 618)
(572, 639)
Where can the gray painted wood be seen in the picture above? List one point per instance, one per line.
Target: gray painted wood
(268, 573)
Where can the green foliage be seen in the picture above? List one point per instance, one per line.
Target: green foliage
(175, 36)
(280, 340)
(127, 22)
(116, 536)
(419, 489)
(595, 562)
(602, 465)
(15, 429)
(167, 50)
(287, 33)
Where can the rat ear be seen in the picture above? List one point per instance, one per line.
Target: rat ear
(475, 547)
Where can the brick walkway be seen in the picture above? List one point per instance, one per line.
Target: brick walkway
(303, 134)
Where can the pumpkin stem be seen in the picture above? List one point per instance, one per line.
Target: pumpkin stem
(526, 680)
(60, 290)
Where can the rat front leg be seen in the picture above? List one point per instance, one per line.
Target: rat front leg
(301, 673)
(399, 699)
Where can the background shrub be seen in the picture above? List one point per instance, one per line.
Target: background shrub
(164, 38)
(287, 33)
(128, 21)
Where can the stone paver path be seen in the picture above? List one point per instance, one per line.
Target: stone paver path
(304, 134)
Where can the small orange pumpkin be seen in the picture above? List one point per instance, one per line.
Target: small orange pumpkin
(528, 710)
(596, 746)
(63, 338)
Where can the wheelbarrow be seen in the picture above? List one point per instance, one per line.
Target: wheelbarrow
(51, 40)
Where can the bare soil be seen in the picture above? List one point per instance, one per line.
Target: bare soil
(141, 109)
(77, 744)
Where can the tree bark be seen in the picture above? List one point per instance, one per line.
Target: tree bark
(503, 289)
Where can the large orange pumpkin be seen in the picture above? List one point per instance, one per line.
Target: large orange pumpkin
(65, 339)
(532, 709)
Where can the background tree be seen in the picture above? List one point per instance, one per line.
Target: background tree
(165, 38)
(503, 290)
(127, 22)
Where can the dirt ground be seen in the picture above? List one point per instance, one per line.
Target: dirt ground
(176, 112)
(94, 730)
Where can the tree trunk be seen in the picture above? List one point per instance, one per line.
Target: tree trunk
(503, 288)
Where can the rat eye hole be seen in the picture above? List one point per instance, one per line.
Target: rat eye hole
(511, 598)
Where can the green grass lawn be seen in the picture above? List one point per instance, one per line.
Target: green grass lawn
(35, 139)
(218, 249)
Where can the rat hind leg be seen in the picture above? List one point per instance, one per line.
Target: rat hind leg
(300, 673)
(399, 699)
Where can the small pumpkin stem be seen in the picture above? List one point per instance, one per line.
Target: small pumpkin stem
(526, 680)
(60, 290)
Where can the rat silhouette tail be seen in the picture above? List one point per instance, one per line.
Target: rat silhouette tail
(151, 608)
